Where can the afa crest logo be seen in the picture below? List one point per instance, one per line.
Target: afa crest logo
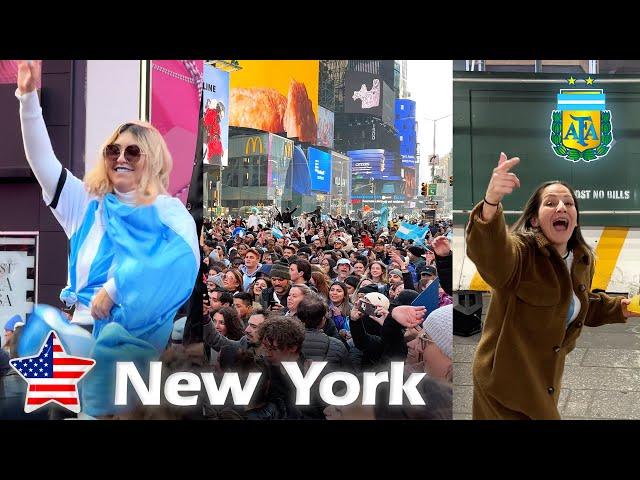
(581, 126)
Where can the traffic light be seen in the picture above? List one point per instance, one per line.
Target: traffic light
(450, 180)
(425, 189)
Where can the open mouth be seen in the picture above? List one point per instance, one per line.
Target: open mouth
(123, 169)
(561, 225)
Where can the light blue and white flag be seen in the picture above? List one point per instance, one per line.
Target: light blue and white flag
(277, 233)
(383, 220)
(407, 231)
(238, 231)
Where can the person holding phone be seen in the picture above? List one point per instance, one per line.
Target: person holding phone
(541, 273)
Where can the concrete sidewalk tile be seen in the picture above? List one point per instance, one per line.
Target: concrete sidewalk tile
(616, 405)
(462, 374)
(472, 340)
(463, 353)
(601, 378)
(575, 357)
(611, 357)
(462, 399)
(578, 403)
(592, 338)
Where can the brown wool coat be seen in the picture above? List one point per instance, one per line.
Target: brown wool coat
(519, 361)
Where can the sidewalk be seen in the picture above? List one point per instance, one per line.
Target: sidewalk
(601, 378)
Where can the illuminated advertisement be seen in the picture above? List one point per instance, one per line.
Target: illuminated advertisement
(277, 96)
(215, 116)
(325, 127)
(367, 93)
(374, 164)
(319, 169)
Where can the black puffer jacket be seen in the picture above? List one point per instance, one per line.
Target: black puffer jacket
(320, 347)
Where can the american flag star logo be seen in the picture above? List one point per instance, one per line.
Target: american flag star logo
(52, 376)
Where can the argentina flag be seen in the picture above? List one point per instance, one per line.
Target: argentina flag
(277, 233)
(407, 231)
(238, 231)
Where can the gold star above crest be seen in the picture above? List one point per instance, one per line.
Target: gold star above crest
(589, 81)
(572, 81)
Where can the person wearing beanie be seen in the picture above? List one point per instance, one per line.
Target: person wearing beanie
(417, 262)
(274, 299)
(431, 350)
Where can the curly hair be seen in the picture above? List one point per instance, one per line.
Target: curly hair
(285, 332)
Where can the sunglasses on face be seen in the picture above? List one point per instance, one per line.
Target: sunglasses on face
(132, 153)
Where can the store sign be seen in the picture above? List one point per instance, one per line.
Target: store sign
(581, 127)
(254, 146)
(14, 282)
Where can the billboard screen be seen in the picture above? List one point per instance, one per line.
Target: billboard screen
(374, 163)
(215, 116)
(325, 127)
(319, 169)
(277, 96)
(367, 93)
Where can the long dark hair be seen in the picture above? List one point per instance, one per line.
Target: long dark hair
(235, 328)
(523, 224)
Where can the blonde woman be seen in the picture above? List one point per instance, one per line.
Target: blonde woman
(133, 249)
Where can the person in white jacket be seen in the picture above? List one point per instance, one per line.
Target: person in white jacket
(133, 249)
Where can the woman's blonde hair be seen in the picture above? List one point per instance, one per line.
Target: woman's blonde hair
(156, 167)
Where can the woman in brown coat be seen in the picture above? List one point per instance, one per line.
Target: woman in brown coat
(540, 274)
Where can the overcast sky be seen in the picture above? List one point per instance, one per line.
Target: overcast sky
(430, 84)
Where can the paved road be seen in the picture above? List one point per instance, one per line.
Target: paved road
(601, 378)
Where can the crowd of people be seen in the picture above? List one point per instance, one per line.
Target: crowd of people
(337, 291)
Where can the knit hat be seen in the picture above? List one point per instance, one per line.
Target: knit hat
(377, 299)
(352, 281)
(368, 289)
(280, 270)
(395, 271)
(417, 251)
(439, 326)
(405, 297)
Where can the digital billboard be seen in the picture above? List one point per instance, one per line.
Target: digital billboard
(276, 96)
(374, 163)
(215, 116)
(367, 93)
(319, 169)
(325, 127)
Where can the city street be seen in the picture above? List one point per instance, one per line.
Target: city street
(601, 378)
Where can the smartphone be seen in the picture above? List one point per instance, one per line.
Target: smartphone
(368, 308)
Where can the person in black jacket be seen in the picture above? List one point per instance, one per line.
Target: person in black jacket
(390, 345)
(444, 262)
(317, 345)
(281, 340)
(287, 216)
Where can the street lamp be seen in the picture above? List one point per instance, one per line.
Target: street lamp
(433, 155)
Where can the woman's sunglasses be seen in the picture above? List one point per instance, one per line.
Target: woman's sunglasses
(132, 153)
